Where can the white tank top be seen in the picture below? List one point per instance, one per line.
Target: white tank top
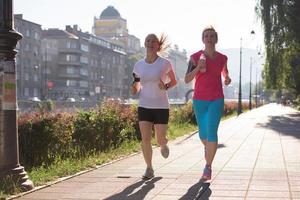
(151, 96)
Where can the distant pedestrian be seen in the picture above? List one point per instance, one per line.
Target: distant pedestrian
(206, 67)
(153, 76)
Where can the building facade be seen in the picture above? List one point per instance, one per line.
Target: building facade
(28, 59)
(82, 66)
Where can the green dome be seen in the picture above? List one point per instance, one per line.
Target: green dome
(110, 13)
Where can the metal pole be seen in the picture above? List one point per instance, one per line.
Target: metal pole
(45, 85)
(250, 92)
(256, 88)
(239, 108)
(9, 150)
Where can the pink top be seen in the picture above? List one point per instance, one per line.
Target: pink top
(208, 85)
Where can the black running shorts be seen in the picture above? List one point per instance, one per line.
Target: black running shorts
(156, 116)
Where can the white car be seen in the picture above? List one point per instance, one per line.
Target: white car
(70, 99)
(34, 99)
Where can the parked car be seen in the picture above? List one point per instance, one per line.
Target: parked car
(34, 99)
(70, 99)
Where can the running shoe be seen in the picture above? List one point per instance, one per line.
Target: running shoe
(164, 150)
(149, 173)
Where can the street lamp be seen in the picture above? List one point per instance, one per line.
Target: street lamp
(101, 87)
(239, 108)
(9, 149)
(250, 92)
(256, 88)
(39, 69)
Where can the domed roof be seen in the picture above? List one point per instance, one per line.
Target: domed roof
(110, 12)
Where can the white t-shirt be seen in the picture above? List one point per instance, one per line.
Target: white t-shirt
(151, 96)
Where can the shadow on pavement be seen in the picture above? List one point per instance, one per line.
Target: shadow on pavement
(221, 146)
(135, 191)
(287, 124)
(199, 190)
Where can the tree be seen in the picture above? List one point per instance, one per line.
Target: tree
(281, 22)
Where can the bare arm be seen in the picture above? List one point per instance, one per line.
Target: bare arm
(172, 83)
(225, 74)
(135, 88)
(172, 77)
(191, 71)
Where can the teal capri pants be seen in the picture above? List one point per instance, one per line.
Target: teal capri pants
(208, 115)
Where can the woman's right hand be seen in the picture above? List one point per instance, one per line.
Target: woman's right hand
(202, 64)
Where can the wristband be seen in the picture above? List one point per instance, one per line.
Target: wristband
(135, 78)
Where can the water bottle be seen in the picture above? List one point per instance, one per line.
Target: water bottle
(202, 61)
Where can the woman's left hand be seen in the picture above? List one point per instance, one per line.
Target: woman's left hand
(227, 80)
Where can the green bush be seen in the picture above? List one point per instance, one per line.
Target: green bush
(296, 102)
(105, 127)
(46, 137)
(9, 185)
(183, 114)
(43, 137)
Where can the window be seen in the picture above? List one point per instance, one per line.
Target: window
(26, 77)
(48, 71)
(27, 33)
(36, 36)
(84, 59)
(35, 78)
(71, 45)
(84, 47)
(35, 92)
(27, 47)
(47, 57)
(35, 51)
(83, 84)
(71, 83)
(70, 70)
(84, 72)
(26, 92)
(70, 58)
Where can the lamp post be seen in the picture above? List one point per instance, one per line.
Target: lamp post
(101, 87)
(39, 69)
(9, 150)
(250, 92)
(256, 88)
(44, 77)
(239, 108)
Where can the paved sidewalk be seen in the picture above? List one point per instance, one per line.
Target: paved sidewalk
(258, 159)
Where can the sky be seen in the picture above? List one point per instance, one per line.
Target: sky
(182, 21)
